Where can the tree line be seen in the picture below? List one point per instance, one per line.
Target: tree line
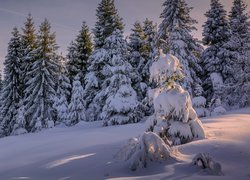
(108, 78)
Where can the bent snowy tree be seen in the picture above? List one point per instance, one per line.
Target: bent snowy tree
(174, 119)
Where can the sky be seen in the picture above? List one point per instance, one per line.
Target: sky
(66, 16)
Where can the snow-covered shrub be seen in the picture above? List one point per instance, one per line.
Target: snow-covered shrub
(19, 126)
(174, 118)
(138, 152)
(205, 162)
(218, 109)
(199, 104)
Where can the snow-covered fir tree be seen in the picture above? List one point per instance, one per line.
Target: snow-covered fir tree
(120, 99)
(238, 85)
(41, 87)
(175, 29)
(28, 45)
(199, 102)
(63, 94)
(11, 95)
(151, 52)
(215, 57)
(174, 118)
(137, 48)
(107, 21)
(76, 110)
(79, 52)
(1, 83)
(20, 123)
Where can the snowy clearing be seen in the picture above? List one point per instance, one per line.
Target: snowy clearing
(87, 150)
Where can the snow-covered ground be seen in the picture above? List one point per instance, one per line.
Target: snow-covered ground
(87, 151)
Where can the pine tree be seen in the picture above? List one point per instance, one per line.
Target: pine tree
(151, 53)
(120, 99)
(78, 55)
(62, 94)
(94, 78)
(175, 29)
(76, 112)
(107, 21)
(137, 49)
(11, 94)
(41, 87)
(216, 34)
(238, 87)
(28, 45)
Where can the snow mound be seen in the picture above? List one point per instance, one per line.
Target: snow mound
(204, 161)
(148, 147)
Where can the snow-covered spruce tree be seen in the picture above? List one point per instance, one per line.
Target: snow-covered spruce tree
(62, 94)
(28, 45)
(76, 110)
(137, 47)
(176, 29)
(1, 83)
(151, 52)
(11, 95)
(79, 52)
(174, 119)
(120, 98)
(107, 21)
(19, 126)
(216, 34)
(199, 102)
(93, 80)
(41, 87)
(238, 89)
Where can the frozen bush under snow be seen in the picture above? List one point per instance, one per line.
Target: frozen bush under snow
(138, 152)
(205, 162)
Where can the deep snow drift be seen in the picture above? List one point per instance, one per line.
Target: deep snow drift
(87, 151)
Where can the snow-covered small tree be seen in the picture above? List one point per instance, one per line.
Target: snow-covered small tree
(175, 29)
(41, 87)
(107, 21)
(174, 119)
(11, 95)
(76, 110)
(118, 96)
(79, 52)
(216, 34)
(199, 102)
(19, 126)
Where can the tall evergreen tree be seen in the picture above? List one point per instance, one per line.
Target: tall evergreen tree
(78, 55)
(175, 29)
(11, 94)
(238, 89)
(120, 99)
(41, 87)
(151, 53)
(63, 94)
(137, 49)
(28, 45)
(76, 112)
(107, 21)
(216, 34)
